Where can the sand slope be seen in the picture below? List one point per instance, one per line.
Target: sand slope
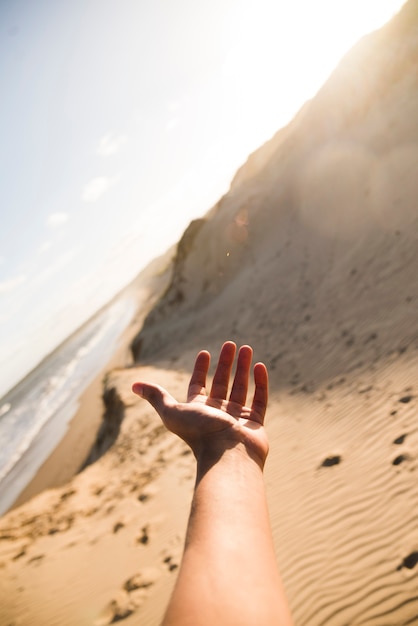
(312, 257)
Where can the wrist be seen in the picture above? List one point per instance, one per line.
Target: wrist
(230, 453)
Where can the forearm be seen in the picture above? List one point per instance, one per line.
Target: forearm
(228, 574)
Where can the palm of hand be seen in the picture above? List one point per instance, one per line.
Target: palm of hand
(207, 420)
(212, 420)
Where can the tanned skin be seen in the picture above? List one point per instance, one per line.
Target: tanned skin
(228, 575)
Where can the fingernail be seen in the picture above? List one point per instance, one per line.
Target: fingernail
(137, 388)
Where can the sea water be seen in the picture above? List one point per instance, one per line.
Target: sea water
(35, 414)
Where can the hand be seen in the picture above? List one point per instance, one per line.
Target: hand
(211, 424)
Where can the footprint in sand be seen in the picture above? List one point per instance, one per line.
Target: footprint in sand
(400, 459)
(21, 553)
(144, 535)
(67, 494)
(36, 559)
(171, 563)
(128, 599)
(406, 399)
(399, 440)
(331, 460)
(118, 526)
(409, 561)
(147, 493)
(171, 554)
(119, 608)
(143, 580)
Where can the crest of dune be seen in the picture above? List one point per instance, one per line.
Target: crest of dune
(319, 229)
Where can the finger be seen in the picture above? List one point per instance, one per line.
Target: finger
(197, 385)
(240, 385)
(157, 396)
(259, 405)
(223, 371)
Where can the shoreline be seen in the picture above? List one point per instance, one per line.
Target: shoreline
(68, 456)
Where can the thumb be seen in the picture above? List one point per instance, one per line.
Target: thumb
(157, 396)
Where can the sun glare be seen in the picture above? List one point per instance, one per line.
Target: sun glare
(281, 53)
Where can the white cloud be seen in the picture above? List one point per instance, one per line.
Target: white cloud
(56, 219)
(12, 283)
(96, 187)
(110, 144)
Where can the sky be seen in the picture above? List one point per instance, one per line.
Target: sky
(122, 120)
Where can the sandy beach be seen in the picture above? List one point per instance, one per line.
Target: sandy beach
(311, 258)
(342, 489)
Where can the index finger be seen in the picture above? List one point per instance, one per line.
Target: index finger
(197, 385)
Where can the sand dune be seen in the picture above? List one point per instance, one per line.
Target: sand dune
(312, 257)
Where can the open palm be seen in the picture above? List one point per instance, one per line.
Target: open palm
(212, 421)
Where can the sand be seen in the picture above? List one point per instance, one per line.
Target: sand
(342, 491)
(311, 258)
(114, 500)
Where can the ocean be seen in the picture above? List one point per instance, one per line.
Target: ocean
(35, 414)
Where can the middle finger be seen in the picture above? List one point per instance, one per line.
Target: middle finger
(240, 385)
(223, 371)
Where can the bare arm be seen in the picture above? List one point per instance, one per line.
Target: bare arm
(228, 575)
